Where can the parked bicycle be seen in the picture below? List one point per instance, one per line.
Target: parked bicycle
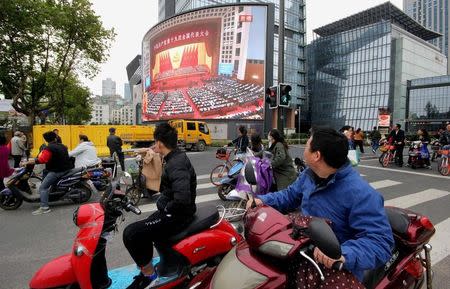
(388, 156)
(222, 170)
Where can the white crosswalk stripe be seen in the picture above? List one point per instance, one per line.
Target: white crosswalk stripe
(417, 198)
(440, 242)
(384, 184)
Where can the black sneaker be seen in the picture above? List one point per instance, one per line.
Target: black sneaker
(140, 282)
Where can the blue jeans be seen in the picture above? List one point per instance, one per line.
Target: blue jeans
(50, 179)
(375, 144)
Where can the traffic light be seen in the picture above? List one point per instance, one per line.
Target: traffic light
(272, 97)
(285, 98)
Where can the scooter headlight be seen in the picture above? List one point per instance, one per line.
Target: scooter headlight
(78, 251)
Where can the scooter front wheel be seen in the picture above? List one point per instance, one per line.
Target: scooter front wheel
(223, 191)
(134, 194)
(10, 202)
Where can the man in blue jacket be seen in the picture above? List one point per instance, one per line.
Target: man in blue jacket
(330, 188)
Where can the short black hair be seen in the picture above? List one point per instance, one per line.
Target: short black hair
(243, 130)
(112, 129)
(83, 137)
(256, 142)
(332, 145)
(398, 125)
(166, 134)
(2, 140)
(49, 136)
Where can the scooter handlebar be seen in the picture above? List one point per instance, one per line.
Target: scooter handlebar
(132, 208)
(338, 265)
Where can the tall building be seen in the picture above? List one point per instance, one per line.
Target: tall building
(108, 87)
(295, 41)
(432, 14)
(134, 73)
(360, 65)
(126, 92)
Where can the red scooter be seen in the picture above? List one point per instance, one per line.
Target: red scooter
(273, 241)
(200, 246)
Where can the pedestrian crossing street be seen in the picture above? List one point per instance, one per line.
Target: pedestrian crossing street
(207, 192)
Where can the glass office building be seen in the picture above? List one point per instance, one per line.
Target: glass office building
(428, 103)
(361, 64)
(432, 14)
(295, 40)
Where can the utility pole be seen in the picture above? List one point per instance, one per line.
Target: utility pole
(281, 112)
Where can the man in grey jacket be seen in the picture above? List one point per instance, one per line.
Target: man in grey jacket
(17, 148)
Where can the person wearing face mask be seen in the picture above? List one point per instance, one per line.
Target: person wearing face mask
(282, 165)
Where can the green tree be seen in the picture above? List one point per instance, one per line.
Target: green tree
(44, 45)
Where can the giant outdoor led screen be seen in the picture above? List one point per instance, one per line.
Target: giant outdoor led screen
(206, 64)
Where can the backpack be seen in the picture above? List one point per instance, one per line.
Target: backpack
(264, 177)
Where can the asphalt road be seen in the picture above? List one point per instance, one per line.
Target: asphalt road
(27, 242)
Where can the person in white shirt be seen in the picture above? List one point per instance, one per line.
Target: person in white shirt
(85, 153)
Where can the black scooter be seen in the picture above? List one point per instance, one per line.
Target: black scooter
(23, 185)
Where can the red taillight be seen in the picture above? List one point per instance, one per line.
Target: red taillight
(426, 223)
(414, 268)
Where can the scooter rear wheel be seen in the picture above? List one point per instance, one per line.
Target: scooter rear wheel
(83, 192)
(10, 202)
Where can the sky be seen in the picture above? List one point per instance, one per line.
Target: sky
(131, 19)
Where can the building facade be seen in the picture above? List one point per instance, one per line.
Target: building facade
(295, 41)
(432, 14)
(361, 64)
(134, 74)
(100, 114)
(428, 103)
(122, 115)
(108, 87)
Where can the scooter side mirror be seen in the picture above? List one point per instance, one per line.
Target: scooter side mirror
(324, 238)
(250, 176)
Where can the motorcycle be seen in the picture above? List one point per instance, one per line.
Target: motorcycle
(417, 155)
(273, 243)
(23, 185)
(235, 180)
(198, 248)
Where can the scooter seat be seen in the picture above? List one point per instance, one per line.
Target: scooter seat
(72, 172)
(204, 218)
(398, 220)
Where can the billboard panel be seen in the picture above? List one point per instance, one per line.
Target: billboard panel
(206, 64)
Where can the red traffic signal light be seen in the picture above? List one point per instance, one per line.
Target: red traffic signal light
(272, 97)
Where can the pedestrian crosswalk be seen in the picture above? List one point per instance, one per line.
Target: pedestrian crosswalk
(206, 192)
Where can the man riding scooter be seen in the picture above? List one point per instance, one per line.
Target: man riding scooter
(330, 188)
(56, 159)
(176, 208)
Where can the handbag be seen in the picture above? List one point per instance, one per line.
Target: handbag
(353, 157)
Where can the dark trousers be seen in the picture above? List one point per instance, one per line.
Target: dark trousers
(2, 185)
(399, 154)
(360, 144)
(139, 236)
(17, 160)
